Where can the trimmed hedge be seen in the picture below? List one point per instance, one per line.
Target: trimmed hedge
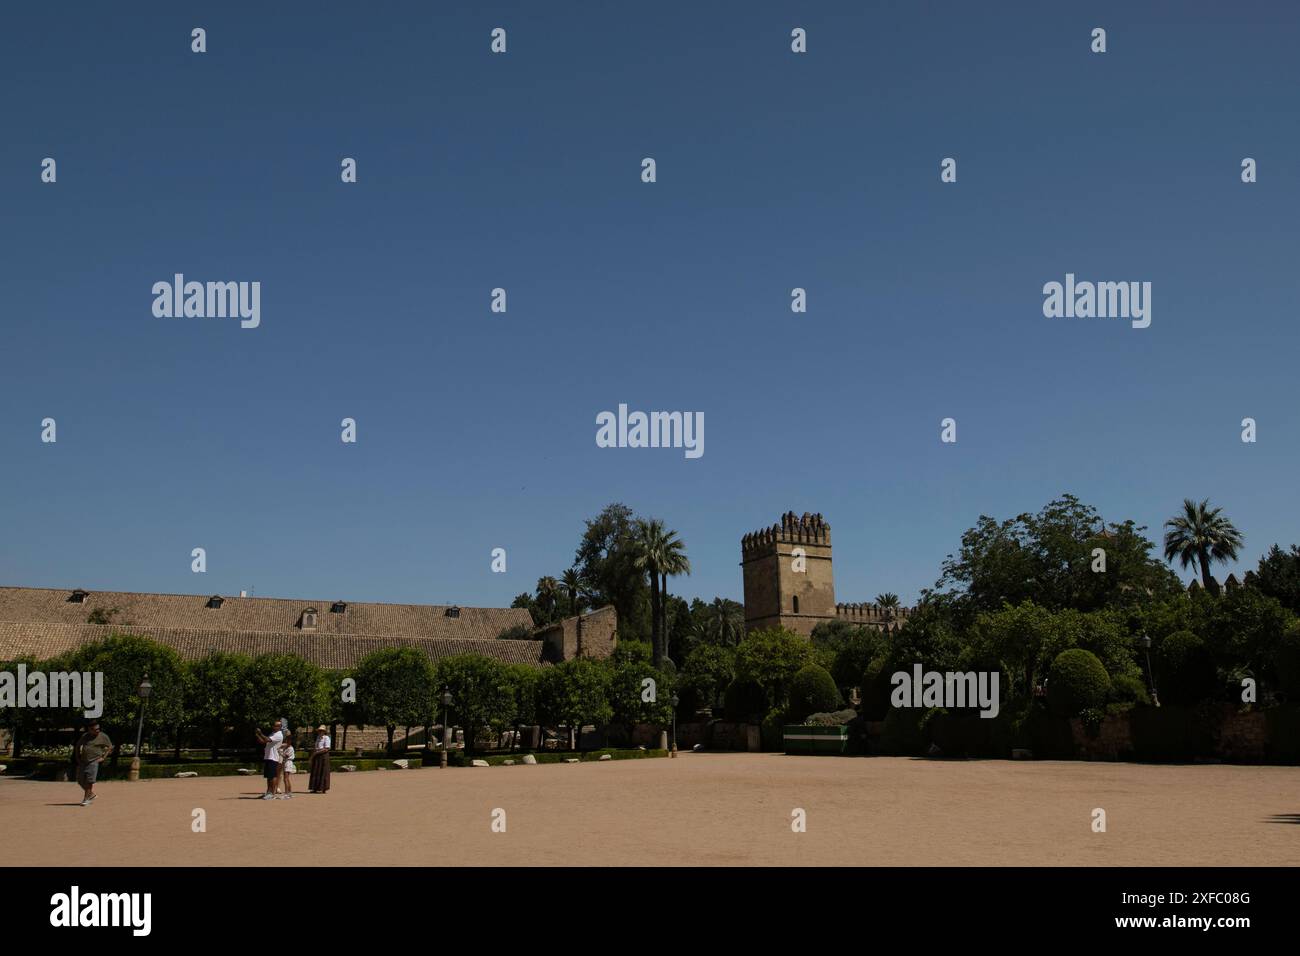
(49, 769)
(1077, 681)
(812, 690)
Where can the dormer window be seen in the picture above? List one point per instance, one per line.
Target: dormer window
(215, 602)
(308, 622)
(78, 597)
(453, 612)
(338, 607)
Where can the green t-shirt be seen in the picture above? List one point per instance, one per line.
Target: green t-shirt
(93, 747)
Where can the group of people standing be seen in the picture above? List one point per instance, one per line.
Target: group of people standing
(93, 747)
(277, 761)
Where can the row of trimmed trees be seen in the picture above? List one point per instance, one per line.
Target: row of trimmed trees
(222, 697)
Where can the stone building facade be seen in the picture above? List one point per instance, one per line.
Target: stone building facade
(789, 580)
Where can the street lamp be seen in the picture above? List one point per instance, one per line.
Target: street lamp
(674, 701)
(1151, 675)
(144, 690)
(446, 703)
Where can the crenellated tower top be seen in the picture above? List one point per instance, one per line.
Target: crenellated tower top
(791, 529)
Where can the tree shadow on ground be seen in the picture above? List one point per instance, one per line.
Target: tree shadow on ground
(1285, 818)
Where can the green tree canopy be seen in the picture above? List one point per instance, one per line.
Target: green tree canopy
(483, 693)
(215, 688)
(285, 685)
(124, 660)
(770, 658)
(1048, 558)
(575, 693)
(395, 688)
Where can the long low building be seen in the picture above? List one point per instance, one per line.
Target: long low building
(44, 622)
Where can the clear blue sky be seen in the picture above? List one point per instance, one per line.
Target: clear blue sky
(477, 430)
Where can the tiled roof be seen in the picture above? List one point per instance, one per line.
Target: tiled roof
(42, 622)
(331, 651)
(191, 611)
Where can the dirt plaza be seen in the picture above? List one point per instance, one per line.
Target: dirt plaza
(702, 809)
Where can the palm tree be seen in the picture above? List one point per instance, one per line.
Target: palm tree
(573, 584)
(725, 621)
(675, 563)
(888, 602)
(1201, 535)
(547, 589)
(648, 556)
(660, 554)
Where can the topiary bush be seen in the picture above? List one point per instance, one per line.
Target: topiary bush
(812, 689)
(744, 701)
(833, 719)
(1125, 689)
(1077, 681)
(875, 688)
(1185, 673)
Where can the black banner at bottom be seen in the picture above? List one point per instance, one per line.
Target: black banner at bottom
(332, 904)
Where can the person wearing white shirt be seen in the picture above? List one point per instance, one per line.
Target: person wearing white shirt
(270, 757)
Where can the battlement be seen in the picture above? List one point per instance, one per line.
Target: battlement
(872, 613)
(791, 529)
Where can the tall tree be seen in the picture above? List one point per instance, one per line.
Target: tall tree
(605, 560)
(649, 556)
(548, 590)
(1279, 576)
(726, 621)
(1199, 535)
(675, 563)
(572, 583)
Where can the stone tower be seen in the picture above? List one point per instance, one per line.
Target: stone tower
(787, 574)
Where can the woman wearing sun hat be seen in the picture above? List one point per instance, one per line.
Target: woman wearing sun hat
(319, 781)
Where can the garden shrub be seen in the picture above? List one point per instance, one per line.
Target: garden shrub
(902, 736)
(1185, 673)
(875, 688)
(1287, 662)
(1126, 689)
(772, 731)
(1077, 681)
(833, 719)
(812, 690)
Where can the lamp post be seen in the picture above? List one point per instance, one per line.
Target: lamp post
(446, 703)
(144, 690)
(1151, 675)
(673, 700)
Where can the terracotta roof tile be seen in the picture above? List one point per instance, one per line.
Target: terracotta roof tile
(43, 622)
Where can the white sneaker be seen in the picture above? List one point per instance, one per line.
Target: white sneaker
(268, 796)
(85, 803)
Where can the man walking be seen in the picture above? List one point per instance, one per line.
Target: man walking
(270, 757)
(90, 751)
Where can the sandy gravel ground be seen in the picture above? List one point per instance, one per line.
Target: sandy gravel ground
(700, 809)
